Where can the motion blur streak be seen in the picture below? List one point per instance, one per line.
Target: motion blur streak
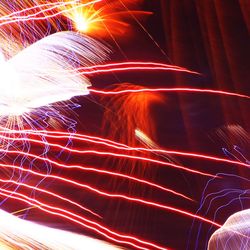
(39, 7)
(16, 233)
(42, 71)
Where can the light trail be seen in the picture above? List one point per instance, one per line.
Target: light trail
(126, 66)
(103, 153)
(14, 230)
(114, 195)
(75, 218)
(79, 217)
(78, 184)
(49, 193)
(134, 68)
(15, 105)
(125, 176)
(110, 143)
(97, 191)
(132, 63)
(27, 70)
(167, 90)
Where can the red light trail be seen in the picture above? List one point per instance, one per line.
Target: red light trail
(75, 218)
(169, 90)
(106, 142)
(128, 198)
(103, 153)
(129, 66)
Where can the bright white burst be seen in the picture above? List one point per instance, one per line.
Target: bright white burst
(41, 74)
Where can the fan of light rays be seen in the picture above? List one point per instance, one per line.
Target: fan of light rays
(37, 76)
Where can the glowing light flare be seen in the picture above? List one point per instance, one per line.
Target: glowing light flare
(10, 89)
(102, 18)
(130, 111)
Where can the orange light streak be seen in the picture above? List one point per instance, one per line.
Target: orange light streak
(108, 19)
